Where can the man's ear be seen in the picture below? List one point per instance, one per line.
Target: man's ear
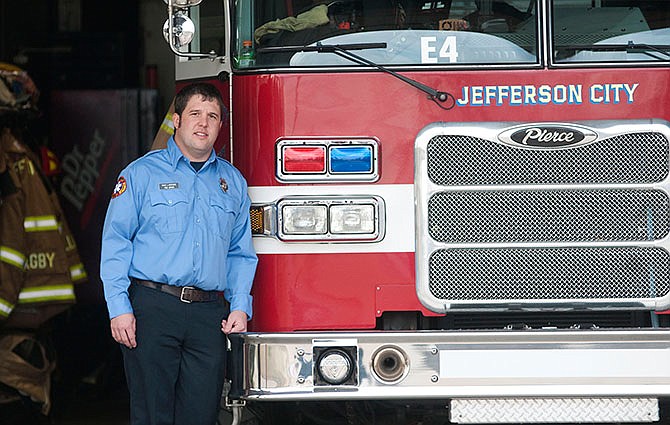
(176, 120)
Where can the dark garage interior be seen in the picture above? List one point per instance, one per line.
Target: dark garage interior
(97, 105)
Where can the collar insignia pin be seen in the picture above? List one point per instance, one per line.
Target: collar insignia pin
(223, 184)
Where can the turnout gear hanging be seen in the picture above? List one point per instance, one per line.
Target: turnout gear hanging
(25, 366)
(12, 243)
(37, 252)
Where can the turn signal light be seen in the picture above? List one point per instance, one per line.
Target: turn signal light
(256, 215)
(262, 219)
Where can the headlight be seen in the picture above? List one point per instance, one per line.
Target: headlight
(304, 219)
(333, 218)
(352, 218)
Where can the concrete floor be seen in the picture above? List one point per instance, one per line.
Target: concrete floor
(88, 385)
(110, 411)
(70, 409)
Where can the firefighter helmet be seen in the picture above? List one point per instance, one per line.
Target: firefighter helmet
(17, 89)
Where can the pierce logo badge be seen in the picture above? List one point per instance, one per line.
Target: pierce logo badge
(119, 188)
(549, 136)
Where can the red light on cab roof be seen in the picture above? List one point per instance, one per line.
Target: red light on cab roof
(304, 159)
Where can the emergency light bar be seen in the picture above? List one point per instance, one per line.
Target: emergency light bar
(304, 159)
(324, 161)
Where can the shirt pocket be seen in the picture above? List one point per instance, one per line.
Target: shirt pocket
(169, 210)
(224, 215)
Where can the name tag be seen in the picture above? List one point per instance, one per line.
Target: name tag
(167, 186)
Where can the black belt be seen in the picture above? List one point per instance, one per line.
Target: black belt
(187, 294)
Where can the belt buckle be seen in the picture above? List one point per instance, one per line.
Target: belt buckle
(181, 296)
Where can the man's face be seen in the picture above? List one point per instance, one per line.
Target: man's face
(197, 128)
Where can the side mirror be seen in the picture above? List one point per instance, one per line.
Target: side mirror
(182, 30)
(183, 3)
(179, 29)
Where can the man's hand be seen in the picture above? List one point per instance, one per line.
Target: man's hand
(236, 322)
(123, 329)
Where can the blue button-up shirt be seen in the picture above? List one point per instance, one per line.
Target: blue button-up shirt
(168, 223)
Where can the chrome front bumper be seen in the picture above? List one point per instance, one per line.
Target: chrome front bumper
(459, 364)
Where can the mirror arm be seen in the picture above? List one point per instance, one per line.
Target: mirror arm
(211, 55)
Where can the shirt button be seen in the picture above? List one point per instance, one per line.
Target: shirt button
(169, 202)
(197, 220)
(197, 244)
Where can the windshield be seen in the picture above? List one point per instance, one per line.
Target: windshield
(611, 31)
(418, 33)
(411, 32)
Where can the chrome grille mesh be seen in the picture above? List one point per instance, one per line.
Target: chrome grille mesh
(467, 160)
(510, 227)
(549, 273)
(548, 216)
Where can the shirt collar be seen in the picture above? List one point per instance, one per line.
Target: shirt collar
(175, 155)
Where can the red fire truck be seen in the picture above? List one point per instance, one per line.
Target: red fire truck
(461, 208)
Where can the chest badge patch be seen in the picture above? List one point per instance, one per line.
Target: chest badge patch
(120, 187)
(223, 184)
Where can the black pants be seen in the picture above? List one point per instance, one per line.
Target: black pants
(175, 374)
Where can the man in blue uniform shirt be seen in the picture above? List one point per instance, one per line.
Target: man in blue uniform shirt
(176, 236)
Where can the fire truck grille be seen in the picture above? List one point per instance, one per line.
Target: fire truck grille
(467, 160)
(548, 216)
(549, 273)
(507, 227)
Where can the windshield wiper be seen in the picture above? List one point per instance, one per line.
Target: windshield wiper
(320, 47)
(630, 47)
(344, 50)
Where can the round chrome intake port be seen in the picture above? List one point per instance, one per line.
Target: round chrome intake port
(390, 364)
